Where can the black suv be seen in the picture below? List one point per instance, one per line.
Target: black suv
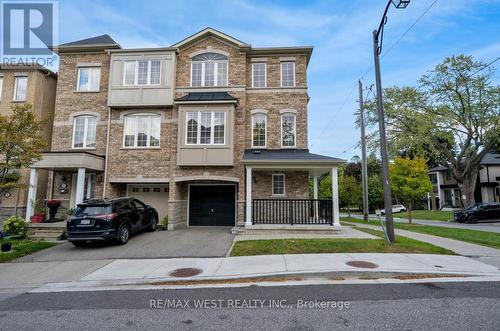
(478, 212)
(113, 219)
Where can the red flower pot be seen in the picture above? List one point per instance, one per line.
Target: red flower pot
(38, 218)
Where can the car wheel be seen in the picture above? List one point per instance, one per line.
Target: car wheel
(123, 234)
(154, 223)
(473, 220)
(79, 243)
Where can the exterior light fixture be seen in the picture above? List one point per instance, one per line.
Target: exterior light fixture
(400, 4)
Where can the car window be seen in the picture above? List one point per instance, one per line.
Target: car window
(93, 210)
(126, 205)
(139, 205)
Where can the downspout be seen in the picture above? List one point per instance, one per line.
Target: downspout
(105, 180)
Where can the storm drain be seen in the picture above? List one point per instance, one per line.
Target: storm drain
(185, 272)
(362, 264)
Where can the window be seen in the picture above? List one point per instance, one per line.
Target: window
(89, 79)
(142, 72)
(1, 87)
(84, 130)
(138, 205)
(209, 69)
(287, 74)
(259, 130)
(205, 128)
(278, 184)
(20, 88)
(135, 189)
(259, 75)
(288, 130)
(447, 175)
(142, 130)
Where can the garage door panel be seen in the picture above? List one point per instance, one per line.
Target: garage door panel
(212, 205)
(154, 195)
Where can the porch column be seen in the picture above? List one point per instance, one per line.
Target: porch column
(315, 196)
(80, 184)
(335, 197)
(30, 205)
(248, 200)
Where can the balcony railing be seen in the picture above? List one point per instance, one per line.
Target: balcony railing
(292, 211)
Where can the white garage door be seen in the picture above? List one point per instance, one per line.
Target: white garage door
(154, 195)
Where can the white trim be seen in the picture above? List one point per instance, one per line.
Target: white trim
(148, 139)
(258, 111)
(281, 73)
(265, 130)
(265, 74)
(1, 86)
(198, 128)
(294, 130)
(90, 68)
(209, 50)
(85, 131)
(16, 79)
(335, 197)
(235, 200)
(136, 72)
(272, 185)
(248, 197)
(288, 111)
(258, 59)
(288, 59)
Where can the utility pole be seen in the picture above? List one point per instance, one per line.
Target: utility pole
(383, 144)
(364, 165)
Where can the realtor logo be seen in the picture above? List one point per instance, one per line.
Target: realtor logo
(28, 27)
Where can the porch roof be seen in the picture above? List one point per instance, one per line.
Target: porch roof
(288, 156)
(204, 97)
(70, 161)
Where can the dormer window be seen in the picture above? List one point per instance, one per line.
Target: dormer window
(209, 69)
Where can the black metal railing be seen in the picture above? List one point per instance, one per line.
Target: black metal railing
(292, 211)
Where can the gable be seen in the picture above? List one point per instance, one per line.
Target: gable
(209, 32)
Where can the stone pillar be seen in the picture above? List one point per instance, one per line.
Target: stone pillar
(315, 195)
(30, 205)
(335, 197)
(248, 200)
(80, 184)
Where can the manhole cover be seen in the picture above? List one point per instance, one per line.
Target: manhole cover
(185, 272)
(362, 264)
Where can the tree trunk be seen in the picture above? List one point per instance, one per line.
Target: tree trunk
(409, 212)
(467, 186)
(348, 210)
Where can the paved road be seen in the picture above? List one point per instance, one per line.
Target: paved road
(483, 226)
(426, 306)
(191, 242)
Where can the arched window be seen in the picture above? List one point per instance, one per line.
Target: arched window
(288, 130)
(142, 130)
(84, 128)
(259, 123)
(209, 69)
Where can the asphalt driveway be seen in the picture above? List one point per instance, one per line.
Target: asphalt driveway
(191, 242)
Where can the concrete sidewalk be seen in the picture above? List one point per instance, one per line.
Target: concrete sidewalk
(122, 272)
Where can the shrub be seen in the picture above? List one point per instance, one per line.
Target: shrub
(15, 226)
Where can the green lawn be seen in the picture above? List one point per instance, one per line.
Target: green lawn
(23, 247)
(491, 239)
(437, 215)
(312, 246)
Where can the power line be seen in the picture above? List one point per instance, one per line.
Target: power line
(484, 67)
(348, 149)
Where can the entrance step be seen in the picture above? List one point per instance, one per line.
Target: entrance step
(47, 231)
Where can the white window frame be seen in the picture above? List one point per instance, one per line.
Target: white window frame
(78, 88)
(216, 72)
(294, 130)
(1, 86)
(198, 128)
(281, 73)
(136, 73)
(284, 186)
(265, 74)
(85, 131)
(265, 129)
(148, 141)
(16, 79)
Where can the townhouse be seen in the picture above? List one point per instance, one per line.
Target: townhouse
(446, 193)
(209, 131)
(35, 85)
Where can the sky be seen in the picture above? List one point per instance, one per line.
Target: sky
(339, 30)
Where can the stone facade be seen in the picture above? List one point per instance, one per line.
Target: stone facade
(40, 94)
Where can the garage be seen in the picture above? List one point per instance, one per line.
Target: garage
(212, 205)
(155, 195)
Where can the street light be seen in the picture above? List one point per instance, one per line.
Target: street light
(377, 49)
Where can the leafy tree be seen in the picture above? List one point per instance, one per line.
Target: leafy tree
(349, 192)
(409, 180)
(451, 118)
(375, 192)
(20, 145)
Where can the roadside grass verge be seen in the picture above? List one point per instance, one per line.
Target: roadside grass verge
(490, 239)
(22, 248)
(316, 246)
(438, 215)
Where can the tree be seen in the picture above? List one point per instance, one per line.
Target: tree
(452, 118)
(20, 145)
(409, 180)
(375, 192)
(349, 192)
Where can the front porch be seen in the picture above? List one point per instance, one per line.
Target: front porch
(277, 189)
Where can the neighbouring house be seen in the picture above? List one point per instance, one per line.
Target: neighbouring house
(446, 194)
(35, 85)
(209, 131)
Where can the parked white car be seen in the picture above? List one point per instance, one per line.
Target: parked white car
(395, 209)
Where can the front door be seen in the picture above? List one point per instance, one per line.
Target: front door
(212, 205)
